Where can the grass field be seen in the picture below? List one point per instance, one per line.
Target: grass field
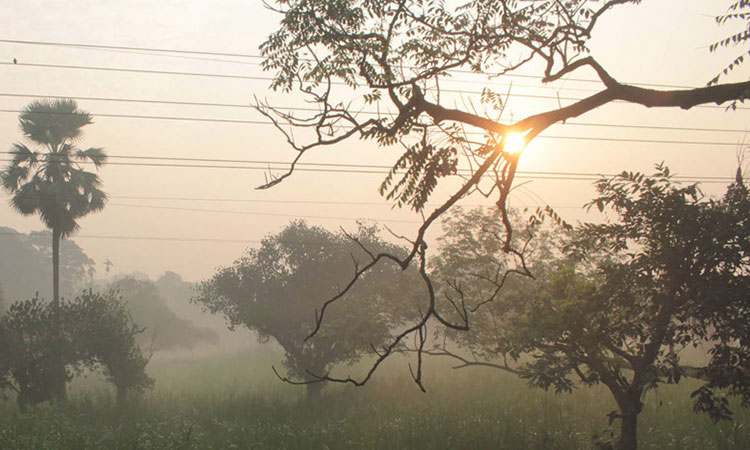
(235, 402)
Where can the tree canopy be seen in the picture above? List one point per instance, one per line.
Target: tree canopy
(618, 303)
(372, 69)
(276, 288)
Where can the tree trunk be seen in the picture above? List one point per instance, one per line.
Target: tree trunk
(314, 390)
(122, 393)
(22, 400)
(55, 264)
(58, 388)
(628, 432)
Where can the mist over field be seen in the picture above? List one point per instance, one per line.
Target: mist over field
(374, 224)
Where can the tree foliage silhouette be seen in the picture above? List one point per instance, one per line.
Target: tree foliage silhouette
(274, 289)
(91, 331)
(617, 303)
(51, 181)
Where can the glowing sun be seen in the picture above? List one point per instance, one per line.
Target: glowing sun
(514, 143)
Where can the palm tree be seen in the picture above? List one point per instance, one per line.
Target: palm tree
(52, 182)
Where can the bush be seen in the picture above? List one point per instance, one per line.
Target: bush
(45, 343)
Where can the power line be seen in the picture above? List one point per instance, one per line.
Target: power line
(241, 77)
(261, 122)
(364, 172)
(172, 208)
(139, 100)
(296, 108)
(121, 47)
(272, 165)
(282, 202)
(175, 118)
(255, 56)
(157, 52)
(146, 71)
(152, 238)
(266, 78)
(298, 202)
(243, 200)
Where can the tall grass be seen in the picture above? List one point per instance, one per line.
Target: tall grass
(235, 402)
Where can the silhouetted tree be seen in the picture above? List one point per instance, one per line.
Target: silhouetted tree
(391, 57)
(618, 302)
(275, 288)
(106, 335)
(91, 331)
(52, 182)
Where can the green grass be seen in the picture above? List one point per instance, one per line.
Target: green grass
(235, 402)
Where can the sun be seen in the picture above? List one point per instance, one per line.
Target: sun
(514, 143)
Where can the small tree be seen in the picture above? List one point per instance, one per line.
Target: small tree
(90, 331)
(274, 289)
(105, 335)
(619, 305)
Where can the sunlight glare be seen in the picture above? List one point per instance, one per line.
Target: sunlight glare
(514, 143)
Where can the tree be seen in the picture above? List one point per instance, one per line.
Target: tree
(623, 300)
(90, 331)
(105, 334)
(51, 183)
(275, 288)
(25, 267)
(345, 56)
(164, 329)
(77, 266)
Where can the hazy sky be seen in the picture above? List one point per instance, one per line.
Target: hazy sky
(660, 41)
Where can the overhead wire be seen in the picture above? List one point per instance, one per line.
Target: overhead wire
(571, 176)
(297, 108)
(253, 213)
(352, 168)
(283, 201)
(255, 56)
(262, 122)
(152, 238)
(268, 78)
